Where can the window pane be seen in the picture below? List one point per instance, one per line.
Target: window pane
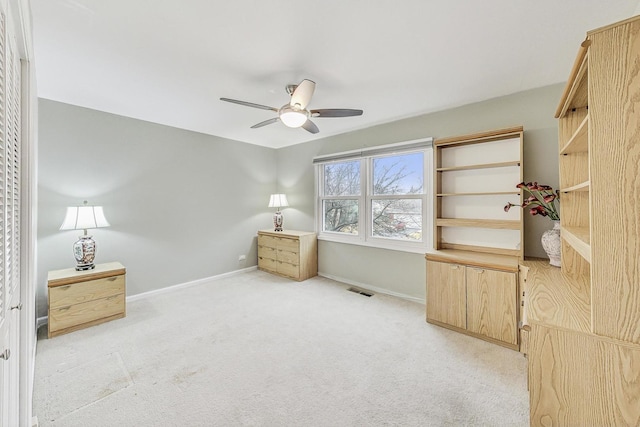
(401, 174)
(342, 179)
(397, 219)
(341, 216)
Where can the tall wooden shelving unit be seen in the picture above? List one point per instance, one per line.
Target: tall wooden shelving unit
(472, 274)
(584, 319)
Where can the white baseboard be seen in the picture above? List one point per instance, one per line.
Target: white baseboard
(43, 320)
(189, 284)
(375, 289)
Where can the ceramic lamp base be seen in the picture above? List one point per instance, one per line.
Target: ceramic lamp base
(85, 252)
(277, 221)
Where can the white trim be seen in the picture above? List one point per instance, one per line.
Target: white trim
(375, 289)
(417, 144)
(189, 284)
(376, 242)
(41, 321)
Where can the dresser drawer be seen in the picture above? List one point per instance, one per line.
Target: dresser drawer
(267, 263)
(78, 314)
(61, 296)
(287, 269)
(267, 252)
(290, 257)
(291, 245)
(267, 241)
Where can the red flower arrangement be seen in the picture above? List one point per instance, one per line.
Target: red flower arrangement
(542, 200)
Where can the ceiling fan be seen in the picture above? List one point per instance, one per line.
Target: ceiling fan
(295, 113)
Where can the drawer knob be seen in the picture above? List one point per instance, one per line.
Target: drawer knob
(5, 354)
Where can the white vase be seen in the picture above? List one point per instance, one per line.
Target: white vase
(551, 244)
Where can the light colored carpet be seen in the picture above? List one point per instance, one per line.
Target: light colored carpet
(258, 350)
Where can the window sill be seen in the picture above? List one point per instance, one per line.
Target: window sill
(416, 248)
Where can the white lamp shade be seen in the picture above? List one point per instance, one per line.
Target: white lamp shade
(84, 217)
(278, 200)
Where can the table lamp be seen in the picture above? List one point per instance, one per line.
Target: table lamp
(82, 218)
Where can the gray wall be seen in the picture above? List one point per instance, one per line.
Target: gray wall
(400, 272)
(182, 205)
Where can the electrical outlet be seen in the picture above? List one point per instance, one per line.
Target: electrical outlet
(242, 258)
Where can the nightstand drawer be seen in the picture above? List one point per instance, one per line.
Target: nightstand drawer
(290, 257)
(267, 252)
(286, 244)
(267, 263)
(79, 314)
(76, 293)
(268, 241)
(287, 269)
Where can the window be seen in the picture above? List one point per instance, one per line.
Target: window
(378, 197)
(341, 191)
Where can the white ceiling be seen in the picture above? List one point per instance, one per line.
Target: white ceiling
(169, 62)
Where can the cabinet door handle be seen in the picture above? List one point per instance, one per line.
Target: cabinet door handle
(17, 307)
(6, 354)
(478, 270)
(454, 267)
(111, 279)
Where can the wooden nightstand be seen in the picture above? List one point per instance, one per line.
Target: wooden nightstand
(288, 253)
(79, 299)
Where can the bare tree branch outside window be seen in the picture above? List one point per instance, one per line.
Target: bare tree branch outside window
(398, 218)
(392, 215)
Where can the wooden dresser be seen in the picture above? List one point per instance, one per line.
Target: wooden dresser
(289, 253)
(79, 299)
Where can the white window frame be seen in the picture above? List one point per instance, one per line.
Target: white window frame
(365, 221)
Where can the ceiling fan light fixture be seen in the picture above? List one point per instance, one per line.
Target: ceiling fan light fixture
(292, 117)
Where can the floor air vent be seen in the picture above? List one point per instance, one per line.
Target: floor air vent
(360, 291)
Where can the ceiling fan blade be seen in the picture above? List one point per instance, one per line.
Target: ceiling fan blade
(309, 126)
(249, 104)
(335, 112)
(266, 122)
(302, 95)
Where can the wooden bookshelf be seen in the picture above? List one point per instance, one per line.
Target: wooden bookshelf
(459, 175)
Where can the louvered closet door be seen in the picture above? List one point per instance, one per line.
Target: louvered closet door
(10, 170)
(4, 290)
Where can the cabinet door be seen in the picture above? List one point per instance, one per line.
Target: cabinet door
(446, 296)
(492, 304)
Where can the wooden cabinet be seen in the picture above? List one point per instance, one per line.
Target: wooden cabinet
(584, 319)
(474, 177)
(79, 299)
(289, 253)
(446, 294)
(491, 304)
(468, 294)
